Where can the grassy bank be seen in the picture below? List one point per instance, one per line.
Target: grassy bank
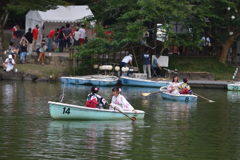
(211, 65)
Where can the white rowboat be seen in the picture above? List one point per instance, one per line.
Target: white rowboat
(63, 111)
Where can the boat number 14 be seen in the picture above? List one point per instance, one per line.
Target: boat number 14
(66, 110)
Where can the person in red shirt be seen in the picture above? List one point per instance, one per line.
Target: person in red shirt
(35, 37)
(14, 28)
(50, 39)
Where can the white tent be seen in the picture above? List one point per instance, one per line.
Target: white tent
(55, 18)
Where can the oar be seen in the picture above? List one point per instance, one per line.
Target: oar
(132, 118)
(204, 98)
(146, 94)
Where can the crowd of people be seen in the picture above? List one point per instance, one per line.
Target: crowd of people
(25, 44)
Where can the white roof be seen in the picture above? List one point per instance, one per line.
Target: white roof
(61, 14)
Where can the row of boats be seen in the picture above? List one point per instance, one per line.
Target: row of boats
(105, 80)
(63, 111)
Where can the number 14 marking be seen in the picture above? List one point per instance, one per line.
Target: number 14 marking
(66, 110)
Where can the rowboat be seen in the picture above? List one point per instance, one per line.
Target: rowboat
(105, 81)
(181, 97)
(63, 111)
(234, 86)
(142, 82)
(100, 80)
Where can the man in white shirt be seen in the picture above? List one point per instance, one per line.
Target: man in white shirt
(9, 63)
(82, 34)
(125, 61)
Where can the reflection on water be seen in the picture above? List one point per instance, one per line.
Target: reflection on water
(96, 135)
(170, 130)
(233, 96)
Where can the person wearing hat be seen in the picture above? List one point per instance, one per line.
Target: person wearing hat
(125, 62)
(156, 65)
(9, 64)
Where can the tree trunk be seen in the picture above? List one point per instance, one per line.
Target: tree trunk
(1, 39)
(225, 48)
(3, 19)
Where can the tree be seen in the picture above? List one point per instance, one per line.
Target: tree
(8, 6)
(127, 20)
(220, 19)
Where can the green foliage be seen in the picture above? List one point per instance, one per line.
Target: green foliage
(127, 20)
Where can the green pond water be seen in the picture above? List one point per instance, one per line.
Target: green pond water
(170, 130)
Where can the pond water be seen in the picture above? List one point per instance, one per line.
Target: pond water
(170, 130)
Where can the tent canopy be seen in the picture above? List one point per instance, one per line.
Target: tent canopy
(69, 14)
(55, 18)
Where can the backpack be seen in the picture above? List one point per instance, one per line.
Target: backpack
(60, 36)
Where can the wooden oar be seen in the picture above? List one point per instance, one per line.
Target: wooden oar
(147, 94)
(132, 118)
(203, 97)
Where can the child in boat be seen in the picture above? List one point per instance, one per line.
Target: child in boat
(120, 102)
(185, 88)
(174, 86)
(94, 100)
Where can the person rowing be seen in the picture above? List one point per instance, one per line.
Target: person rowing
(120, 102)
(94, 100)
(185, 88)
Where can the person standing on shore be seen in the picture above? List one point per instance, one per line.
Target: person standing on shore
(50, 39)
(29, 37)
(66, 34)
(14, 29)
(83, 34)
(60, 39)
(18, 35)
(146, 63)
(35, 37)
(56, 39)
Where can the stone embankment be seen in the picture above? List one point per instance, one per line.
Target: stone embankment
(51, 60)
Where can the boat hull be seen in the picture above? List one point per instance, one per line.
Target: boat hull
(63, 111)
(181, 97)
(104, 82)
(142, 82)
(99, 80)
(234, 87)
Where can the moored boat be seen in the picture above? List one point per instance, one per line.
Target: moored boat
(234, 86)
(63, 111)
(142, 82)
(105, 81)
(100, 80)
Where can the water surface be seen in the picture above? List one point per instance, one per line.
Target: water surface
(170, 130)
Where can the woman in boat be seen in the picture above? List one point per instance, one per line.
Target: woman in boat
(185, 88)
(94, 100)
(120, 102)
(174, 86)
